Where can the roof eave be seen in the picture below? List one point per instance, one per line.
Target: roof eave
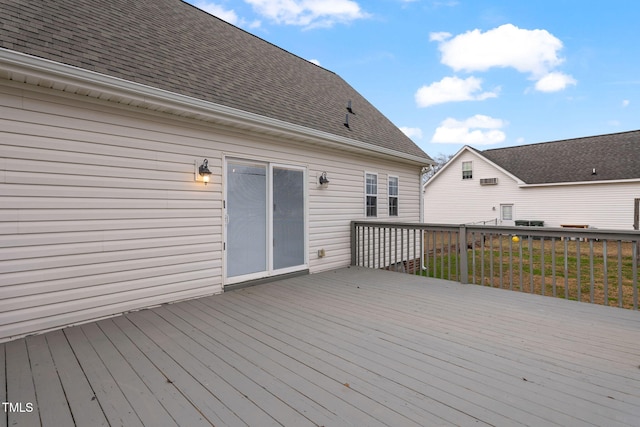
(43, 72)
(602, 181)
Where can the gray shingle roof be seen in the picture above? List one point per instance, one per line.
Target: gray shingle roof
(614, 156)
(171, 45)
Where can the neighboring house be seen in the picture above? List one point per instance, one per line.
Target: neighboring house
(593, 181)
(108, 111)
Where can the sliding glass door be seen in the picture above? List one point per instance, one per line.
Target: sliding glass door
(265, 219)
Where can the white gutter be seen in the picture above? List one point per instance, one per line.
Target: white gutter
(67, 75)
(557, 184)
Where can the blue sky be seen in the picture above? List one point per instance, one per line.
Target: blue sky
(489, 74)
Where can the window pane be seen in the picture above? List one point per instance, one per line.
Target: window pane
(372, 206)
(507, 212)
(372, 184)
(467, 170)
(393, 186)
(393, 206)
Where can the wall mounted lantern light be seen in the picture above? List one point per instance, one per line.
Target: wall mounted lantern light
(324, 181)
(204, 172)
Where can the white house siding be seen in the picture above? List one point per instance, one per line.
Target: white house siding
(453, 200)
(596, 205)
(99, 212)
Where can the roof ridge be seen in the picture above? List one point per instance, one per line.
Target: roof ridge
(561, 140)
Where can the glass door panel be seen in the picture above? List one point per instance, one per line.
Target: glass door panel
(288, 218)
(246, 218)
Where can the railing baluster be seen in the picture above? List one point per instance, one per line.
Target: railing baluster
(435, 249)
(553, 265)
(542, 285)
(500, 261)
(395, 249)
(591, 273)
(521, 284)
(473, 258)
(425, 255)
(566, 268)
(620, 293)
(402, 260)
(491, 260)
(579, 269)
(449, 258)
(482, 258)
(606, 272)
(530, 240)
(511, 263)
(634, 272)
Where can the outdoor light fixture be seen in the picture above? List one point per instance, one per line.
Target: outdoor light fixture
(204, 172)
(324, 181)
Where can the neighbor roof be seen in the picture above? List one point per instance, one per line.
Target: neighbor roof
(171, 45)
(614, 157)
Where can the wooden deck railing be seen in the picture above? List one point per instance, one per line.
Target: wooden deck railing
(590, 265)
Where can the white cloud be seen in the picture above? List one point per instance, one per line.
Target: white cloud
(476, 130)
(554, 82)
(451, 89)
(534, 52)
(226, 15)
(412, 132)
(439, 37)
(309, 13)
(315, 61)
(625, 103)
(217, 10)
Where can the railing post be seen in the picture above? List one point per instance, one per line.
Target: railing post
(462, 253)
(354, 243)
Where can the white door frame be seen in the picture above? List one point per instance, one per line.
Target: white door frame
(513, 214)
(270, 271)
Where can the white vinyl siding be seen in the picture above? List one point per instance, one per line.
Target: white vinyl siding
(602, 205)
(100, 214)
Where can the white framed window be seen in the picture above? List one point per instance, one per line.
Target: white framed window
(467, 170)
(393, 191)
(371, 194)
(506, 212)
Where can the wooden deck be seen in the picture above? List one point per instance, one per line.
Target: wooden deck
(348, 347)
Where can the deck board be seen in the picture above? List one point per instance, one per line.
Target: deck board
(80, 396)
(54, 409)
(113, 402)
(3, 390)
(347, 347)
(20, 388)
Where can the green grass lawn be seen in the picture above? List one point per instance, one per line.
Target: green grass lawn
(527, 266)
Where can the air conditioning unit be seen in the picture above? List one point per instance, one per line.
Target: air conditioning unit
(489, 181)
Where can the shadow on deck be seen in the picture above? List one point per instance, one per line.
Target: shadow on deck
(347, 347)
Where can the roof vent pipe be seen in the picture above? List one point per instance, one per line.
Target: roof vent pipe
(349, 109)
(593, 172)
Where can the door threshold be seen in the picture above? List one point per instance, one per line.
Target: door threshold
(262, 280)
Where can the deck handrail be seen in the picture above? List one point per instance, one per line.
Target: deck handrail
(436, 250)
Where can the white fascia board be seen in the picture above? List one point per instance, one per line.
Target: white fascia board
(67, 75)
(558, 184)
